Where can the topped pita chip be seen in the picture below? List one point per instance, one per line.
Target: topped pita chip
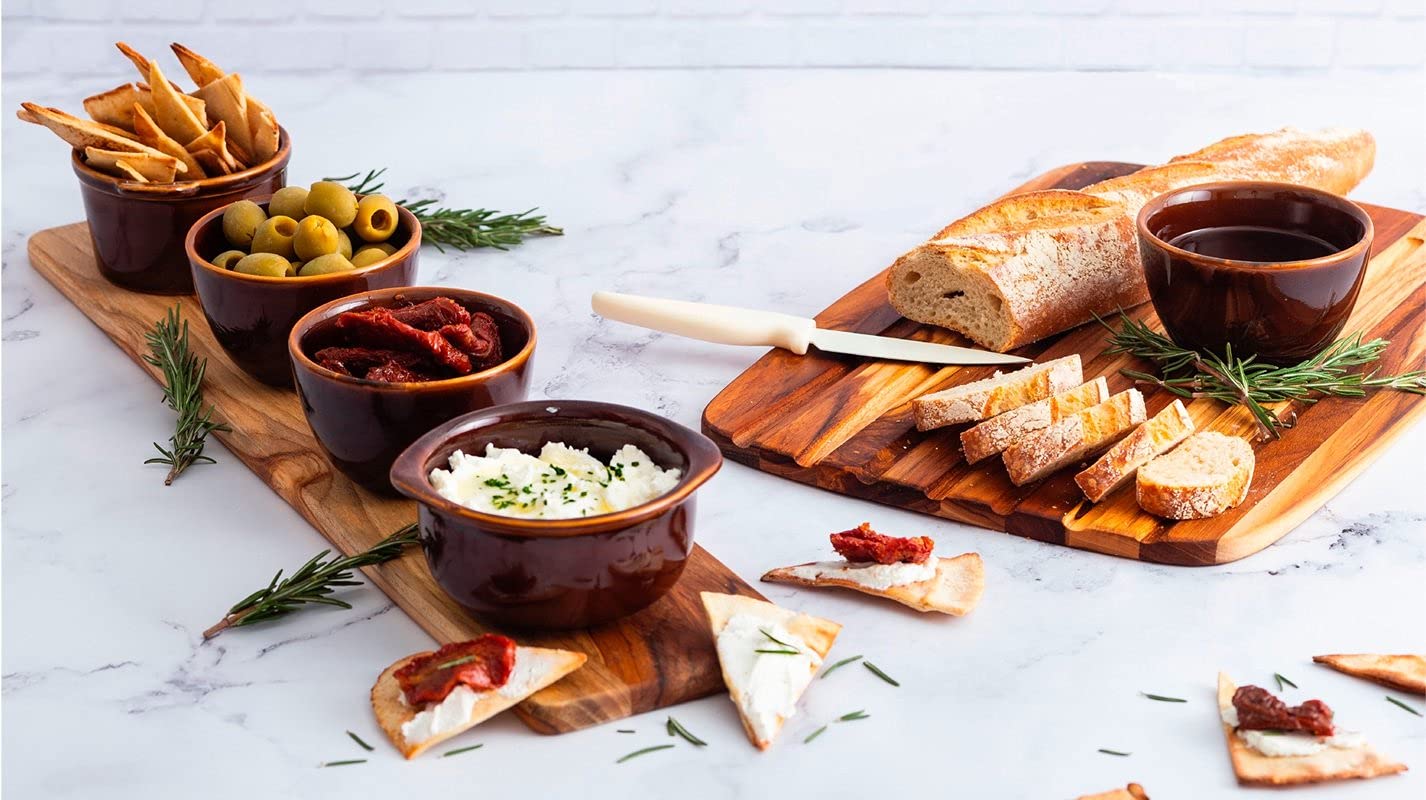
(1131, 792)
(1330, 763)
(152, 135)
(955, 587)
(792, 644)
(1404, 672)
(535, 669)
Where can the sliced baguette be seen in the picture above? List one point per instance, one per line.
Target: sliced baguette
(997, 394)
(1148, 441)
(995, 434)
(1203, 477)
(1037, 454)
(955, 589)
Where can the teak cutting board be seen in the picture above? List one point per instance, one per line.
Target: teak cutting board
(844, 424)
(658, 657)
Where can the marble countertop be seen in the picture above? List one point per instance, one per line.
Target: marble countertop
(775, 189)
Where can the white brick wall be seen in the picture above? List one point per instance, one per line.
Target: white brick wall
(74, 36)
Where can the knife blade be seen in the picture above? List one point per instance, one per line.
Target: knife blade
(743, 326)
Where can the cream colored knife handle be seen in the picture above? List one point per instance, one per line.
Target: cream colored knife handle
(710, 323)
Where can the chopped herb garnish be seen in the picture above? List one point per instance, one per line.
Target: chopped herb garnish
(1404, 706)
(839, 664)
(854, 716)
(1113, 752)
(1163, 698)
(455, 662)
(815, 734)
(460, 750)
(638, 753)
(634, 464)
(878, 673)
(675, 727)
(343, 763)
(358, 740)
(764, 632)
(1281, 680)
(559, 471)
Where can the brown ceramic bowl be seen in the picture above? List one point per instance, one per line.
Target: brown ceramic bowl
(1269, 269)
(364, 425)
(139, 228)
(251, 315)
(558, 573)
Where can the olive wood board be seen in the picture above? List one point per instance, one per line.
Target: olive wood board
(658, 657)
(844, 424)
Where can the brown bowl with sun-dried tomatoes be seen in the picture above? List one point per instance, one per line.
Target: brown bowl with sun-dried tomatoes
(375, 371)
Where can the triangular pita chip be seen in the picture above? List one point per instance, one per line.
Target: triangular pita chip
(1404, 672)
(546, 666)
(227, 104)
(124, 169)
(211, 163)
(215, 143)
(1131, 792)
(154, 168)
(816, 633)
(152, 135)
(200, 69)
(145, 67)
(82, 133)
(114, 107)
(955, 589)
(264, 130)
(1328, 764)
(170, 111)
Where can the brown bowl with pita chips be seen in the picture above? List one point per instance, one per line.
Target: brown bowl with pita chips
(152, 159)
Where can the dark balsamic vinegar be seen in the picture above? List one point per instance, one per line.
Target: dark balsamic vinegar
(1254, 243)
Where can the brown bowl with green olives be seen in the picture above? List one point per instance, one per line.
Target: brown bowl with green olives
(260, 265)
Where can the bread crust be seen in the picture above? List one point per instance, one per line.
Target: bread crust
(1036, 455)
(1198, 500)
(997, 394)
(1151, 439)
(997, 433)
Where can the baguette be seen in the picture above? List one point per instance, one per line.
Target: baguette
(997, 394)
(1036, 455)
(995, 434)
(1203, 477)
(1038, 263)
(1148, 441)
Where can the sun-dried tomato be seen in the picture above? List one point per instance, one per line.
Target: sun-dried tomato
(862, 544)
(357, 360)
(482, 664)
(1259, 710)
(393, 372)
(379, 327)
(433, 314)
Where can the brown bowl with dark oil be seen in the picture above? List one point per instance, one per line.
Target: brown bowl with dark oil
(558, 573)
(139, 229)
(1270, 270)
(252, 315)
(363, 425)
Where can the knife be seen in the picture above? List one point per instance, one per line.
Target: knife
(745, 326)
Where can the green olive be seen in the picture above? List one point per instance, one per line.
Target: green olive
(228, 258)
(267, 264)
(275, 236)
(293, 268)
(367, 256)
(325, 265)
(344, 244)
(288, 202)
(241, 221)
(376, 218)
(316, 236)
(332, 200)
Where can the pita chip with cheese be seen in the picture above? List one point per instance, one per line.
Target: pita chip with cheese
(1404, 672)
(954, 587)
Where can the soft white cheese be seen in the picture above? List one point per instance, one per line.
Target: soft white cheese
(560, 483)
(769, 684)
(1281, 745)
(868, 574)
(453, 712)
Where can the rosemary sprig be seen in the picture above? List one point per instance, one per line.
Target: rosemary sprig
(1402, 705)
(343, 762)
(776, 640)
(1252, 384)
(460, 750)
(676, 727)
(455, 662)
(853, 717)
(815, 734)
(461, 228)
(626, 730)
(1163, 698)
(638, 753)
(779, 652)
(878, 673)
(359, 741)
(1281, 680)
(183, 392)
(1107, 751)
(313, 582)
(840, 664)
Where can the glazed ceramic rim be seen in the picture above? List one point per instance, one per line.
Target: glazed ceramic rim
(409, 475)
(1319, 196)
(190, 246)
(354, 302)
(181, 190)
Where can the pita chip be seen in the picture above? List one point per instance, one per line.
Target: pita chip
(153, 168)
(1404, 672)
(1131, 792)
(214, 142)
(171, 112)
(82, 133)
(227, 104)
(152, 135)
(264, 130)
(200, 69)
(955, 588)
(114, 107)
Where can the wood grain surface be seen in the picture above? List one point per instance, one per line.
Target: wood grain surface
(658, 657)
(844, 424)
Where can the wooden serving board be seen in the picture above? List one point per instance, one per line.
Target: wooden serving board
(844, 424)
(658, 657)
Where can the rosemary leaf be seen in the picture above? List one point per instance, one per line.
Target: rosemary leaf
(1163, 698)
(183, 392)
(815, 734)
(1402, 705)
(781, 652)
(358, 740)
(854, 716)
(676, 727)
(1114, 752)
(343, 763)
(638, 753)
(455, 662)
(625, 730)
(313, 582)
(878, 673)
(776, 640)
(460, 750)
(840, 664)
(1281, 679)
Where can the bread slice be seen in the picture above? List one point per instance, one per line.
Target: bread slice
(535, 668)
(997, 394)
(1328, 764)
(1155, 437)
(1404, 672)
(1034, 264)
(817, 635)
(1203, 477)
(1037, 454)
(955, 589)
(995, 434)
